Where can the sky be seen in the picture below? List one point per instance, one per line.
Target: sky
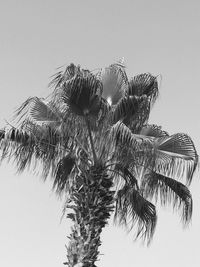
(36, 37)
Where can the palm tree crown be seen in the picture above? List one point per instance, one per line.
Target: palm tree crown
(92, 136)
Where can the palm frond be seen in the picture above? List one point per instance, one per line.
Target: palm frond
(131, 150)
(32, 146)
(126, 175)
(10, 145)
(132, 208)
(63, 76)
(35, 108)
(126, 108)
(13, 135)
(62, 172)
(115, 82)
(23, 111)
(169, 191)
(82, 95)
(144, 84)
(40, 111)
(141, 116)
(153, 130)
(48, 132)
(120, 133)
(176, 156)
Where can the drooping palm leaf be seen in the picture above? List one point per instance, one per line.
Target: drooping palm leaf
(62, 172)
(48, 132)
(127, 176)
(132, 208)
(10, 143)
(169, 191)
(18, 136)
(31, 145)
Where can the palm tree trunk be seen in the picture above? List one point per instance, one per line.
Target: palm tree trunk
(92, 203)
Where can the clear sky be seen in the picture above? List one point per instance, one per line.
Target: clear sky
(36, 37)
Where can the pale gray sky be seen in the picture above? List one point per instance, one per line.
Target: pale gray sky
(161, 37)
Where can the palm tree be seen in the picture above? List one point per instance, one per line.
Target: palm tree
(92, 136)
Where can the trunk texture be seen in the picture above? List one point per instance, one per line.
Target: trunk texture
(92, 204)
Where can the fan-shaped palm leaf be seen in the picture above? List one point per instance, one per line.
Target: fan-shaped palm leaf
(126, 108)
(115, 82)
(144, 84)
(176, 156)
(40, 111)
(82, 95)
(168, 191)
(35, 108)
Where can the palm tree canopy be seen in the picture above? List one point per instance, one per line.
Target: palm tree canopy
(78, 126)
